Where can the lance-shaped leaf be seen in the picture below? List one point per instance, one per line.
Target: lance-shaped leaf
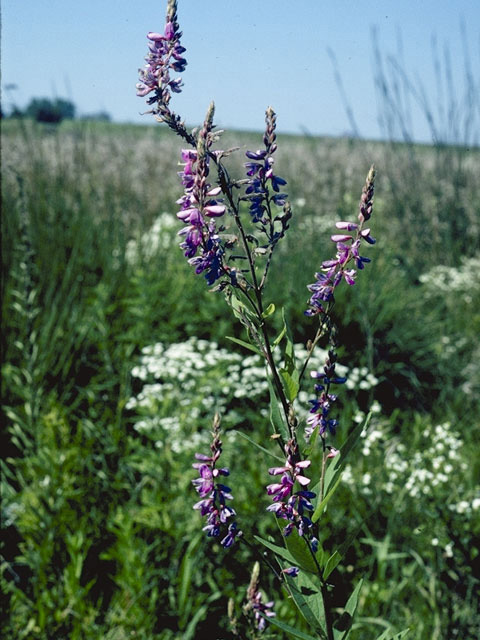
(258, 446)
(278, 423)
(308, 598)
(279, 338)
(331, 563)
(247, 345)
(289, 373)
(341, 628)
(299, 549)
(279, 551)
(390, 635)
(335, 469)
(295, 633)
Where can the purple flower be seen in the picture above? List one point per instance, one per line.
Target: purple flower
(165, 53)
(262, 179)
(199, 209)
(229, 539)
(289, 504)
(320, 412)
(348, 246)
(254, 601)
(291, 571)
(214, 494)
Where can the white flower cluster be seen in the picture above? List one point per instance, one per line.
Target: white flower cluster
(187, 382)
(436, 465)
(161, 235)
(464, 280)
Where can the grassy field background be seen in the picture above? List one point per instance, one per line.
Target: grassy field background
(115, 359)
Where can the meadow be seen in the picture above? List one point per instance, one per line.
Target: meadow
(115, 360)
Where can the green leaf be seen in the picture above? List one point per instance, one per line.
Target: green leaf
(279, 338)
(306, 595)
(347, 543)
(247, 345)
(242, 435)
(185, 576)
(279, 551)
(331, 563)
(290, 630)
(240, 309)
(276, 419)
(335, 469)
(290, 384)
(302, 555)
(390, 635)
(289, 373)
(342, 626)
(321, 506)
(269, 310)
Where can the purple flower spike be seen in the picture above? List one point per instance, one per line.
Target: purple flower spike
(261, 176)
(214, 494)
(262, 610)
(333, 271)
(320, 412)
(164, 54)
(199, 209)
(288, 504)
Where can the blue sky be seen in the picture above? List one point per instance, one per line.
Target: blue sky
(244, 54)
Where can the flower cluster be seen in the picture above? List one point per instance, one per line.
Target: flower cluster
(214, 494)
(261, 176)
(199, 208)
(319, 413)
(348, 247)
(254, 601)
(288, 504)
(165, 54)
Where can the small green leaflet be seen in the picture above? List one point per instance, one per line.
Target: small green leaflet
(247, 345)
(269, 310)
(240, 309)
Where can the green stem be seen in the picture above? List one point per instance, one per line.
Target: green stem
(318, 335)
(324, 592)
(258, 308)
(324, 467)
(328, 613)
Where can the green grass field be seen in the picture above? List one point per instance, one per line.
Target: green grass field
(115, 360)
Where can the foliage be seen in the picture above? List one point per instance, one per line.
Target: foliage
(52, 111)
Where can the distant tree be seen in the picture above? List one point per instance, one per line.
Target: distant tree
(16, 112)
(100, 116)
(46, 110)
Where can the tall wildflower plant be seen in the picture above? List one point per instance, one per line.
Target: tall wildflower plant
(229, 229)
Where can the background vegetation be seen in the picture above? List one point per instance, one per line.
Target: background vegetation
(114, 362)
